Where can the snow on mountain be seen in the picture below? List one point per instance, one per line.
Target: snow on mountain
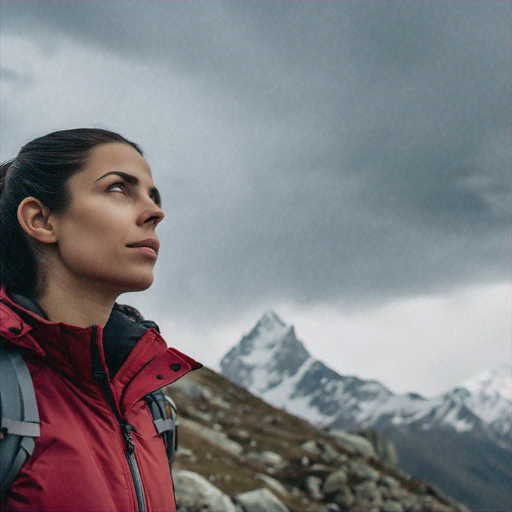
(492, 383)
(489, 396)
(273, 364)
(266, 356)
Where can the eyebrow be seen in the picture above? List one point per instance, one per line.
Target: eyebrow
(154, 194)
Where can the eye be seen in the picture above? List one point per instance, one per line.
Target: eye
(117, 187)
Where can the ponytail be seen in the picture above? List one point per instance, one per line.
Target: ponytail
(18, 266)
(3, 174)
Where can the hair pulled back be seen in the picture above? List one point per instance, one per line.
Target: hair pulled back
(41, 170)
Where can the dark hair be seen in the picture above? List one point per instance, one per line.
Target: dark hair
(41, 170)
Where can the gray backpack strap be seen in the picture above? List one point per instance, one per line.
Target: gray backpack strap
(20, 417)
(165, 417)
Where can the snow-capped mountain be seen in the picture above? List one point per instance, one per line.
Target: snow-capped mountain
(489, 396)
(272, 363)
(460, 441)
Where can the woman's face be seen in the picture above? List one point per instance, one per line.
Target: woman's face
(107, 235)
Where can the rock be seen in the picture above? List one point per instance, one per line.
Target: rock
(214, 437)
(191, 389)
(368, 491)
(322, 451)
(313, 486)
(335, 482)
(274, 484)
(410, 502)
(355, 444)
(265, 458)
(185, 452)
(205, 417)
(312, 447)
(432, 505)
(241, 434)
(393, 493)
(385, 449)
(362, 471)
(218, 400)
(330, 454)
(194, 493)
(260, 500)
(344, 498)
(365, 506)
(390, 482)
(392, 506)
(319, 470)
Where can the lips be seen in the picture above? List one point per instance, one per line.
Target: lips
(152, 243)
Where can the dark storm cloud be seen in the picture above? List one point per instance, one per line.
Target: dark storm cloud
(373, 139)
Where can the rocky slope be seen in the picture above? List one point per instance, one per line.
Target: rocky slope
(238, 453)
(460, 441)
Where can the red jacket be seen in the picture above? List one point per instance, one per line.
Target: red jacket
(80, 460)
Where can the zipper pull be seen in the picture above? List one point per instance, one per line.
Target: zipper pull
(127, 432)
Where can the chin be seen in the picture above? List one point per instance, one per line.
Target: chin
(142, 285)
(138, 284)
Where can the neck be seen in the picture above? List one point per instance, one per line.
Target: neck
(81, 306)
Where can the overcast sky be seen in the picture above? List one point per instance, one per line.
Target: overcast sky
(346, 164)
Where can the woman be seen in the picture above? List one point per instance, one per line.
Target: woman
(79, 212)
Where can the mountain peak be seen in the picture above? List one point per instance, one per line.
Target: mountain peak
(269, 321)
(265, 356)
(497, 381)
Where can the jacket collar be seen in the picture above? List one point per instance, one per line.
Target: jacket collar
(149, 364)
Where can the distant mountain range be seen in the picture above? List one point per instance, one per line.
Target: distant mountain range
(459, 441)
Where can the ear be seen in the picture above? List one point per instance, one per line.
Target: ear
(34, 218)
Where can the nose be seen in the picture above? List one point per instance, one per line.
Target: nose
(152, 214)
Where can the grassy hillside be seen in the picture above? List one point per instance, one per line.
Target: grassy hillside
(240, 443)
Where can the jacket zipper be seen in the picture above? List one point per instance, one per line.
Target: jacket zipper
(101, 375)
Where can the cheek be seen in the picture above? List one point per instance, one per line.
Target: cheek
(86, 240)
(92, 245)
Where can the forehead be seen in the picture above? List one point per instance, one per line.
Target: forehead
(115, 157)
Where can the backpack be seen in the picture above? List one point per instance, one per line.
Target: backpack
(20, 417)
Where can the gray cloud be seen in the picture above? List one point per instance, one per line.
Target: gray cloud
(349, 152)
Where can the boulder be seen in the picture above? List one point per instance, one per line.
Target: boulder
(266, 458)
(274, 484)
(361, 471)
(313, 486)
(335, 482)
(214, 437)
(344, 498)
(190, 389)
(393, 493)
(194, 493)
(353, 443)
(389, 481)
(368, 491)
(385, 450)
(323, 451)
(330, 454)
(312, 447)
(392, 506)
(260, 500)
(319, 470)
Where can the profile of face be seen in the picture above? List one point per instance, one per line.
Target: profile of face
(106, 237)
